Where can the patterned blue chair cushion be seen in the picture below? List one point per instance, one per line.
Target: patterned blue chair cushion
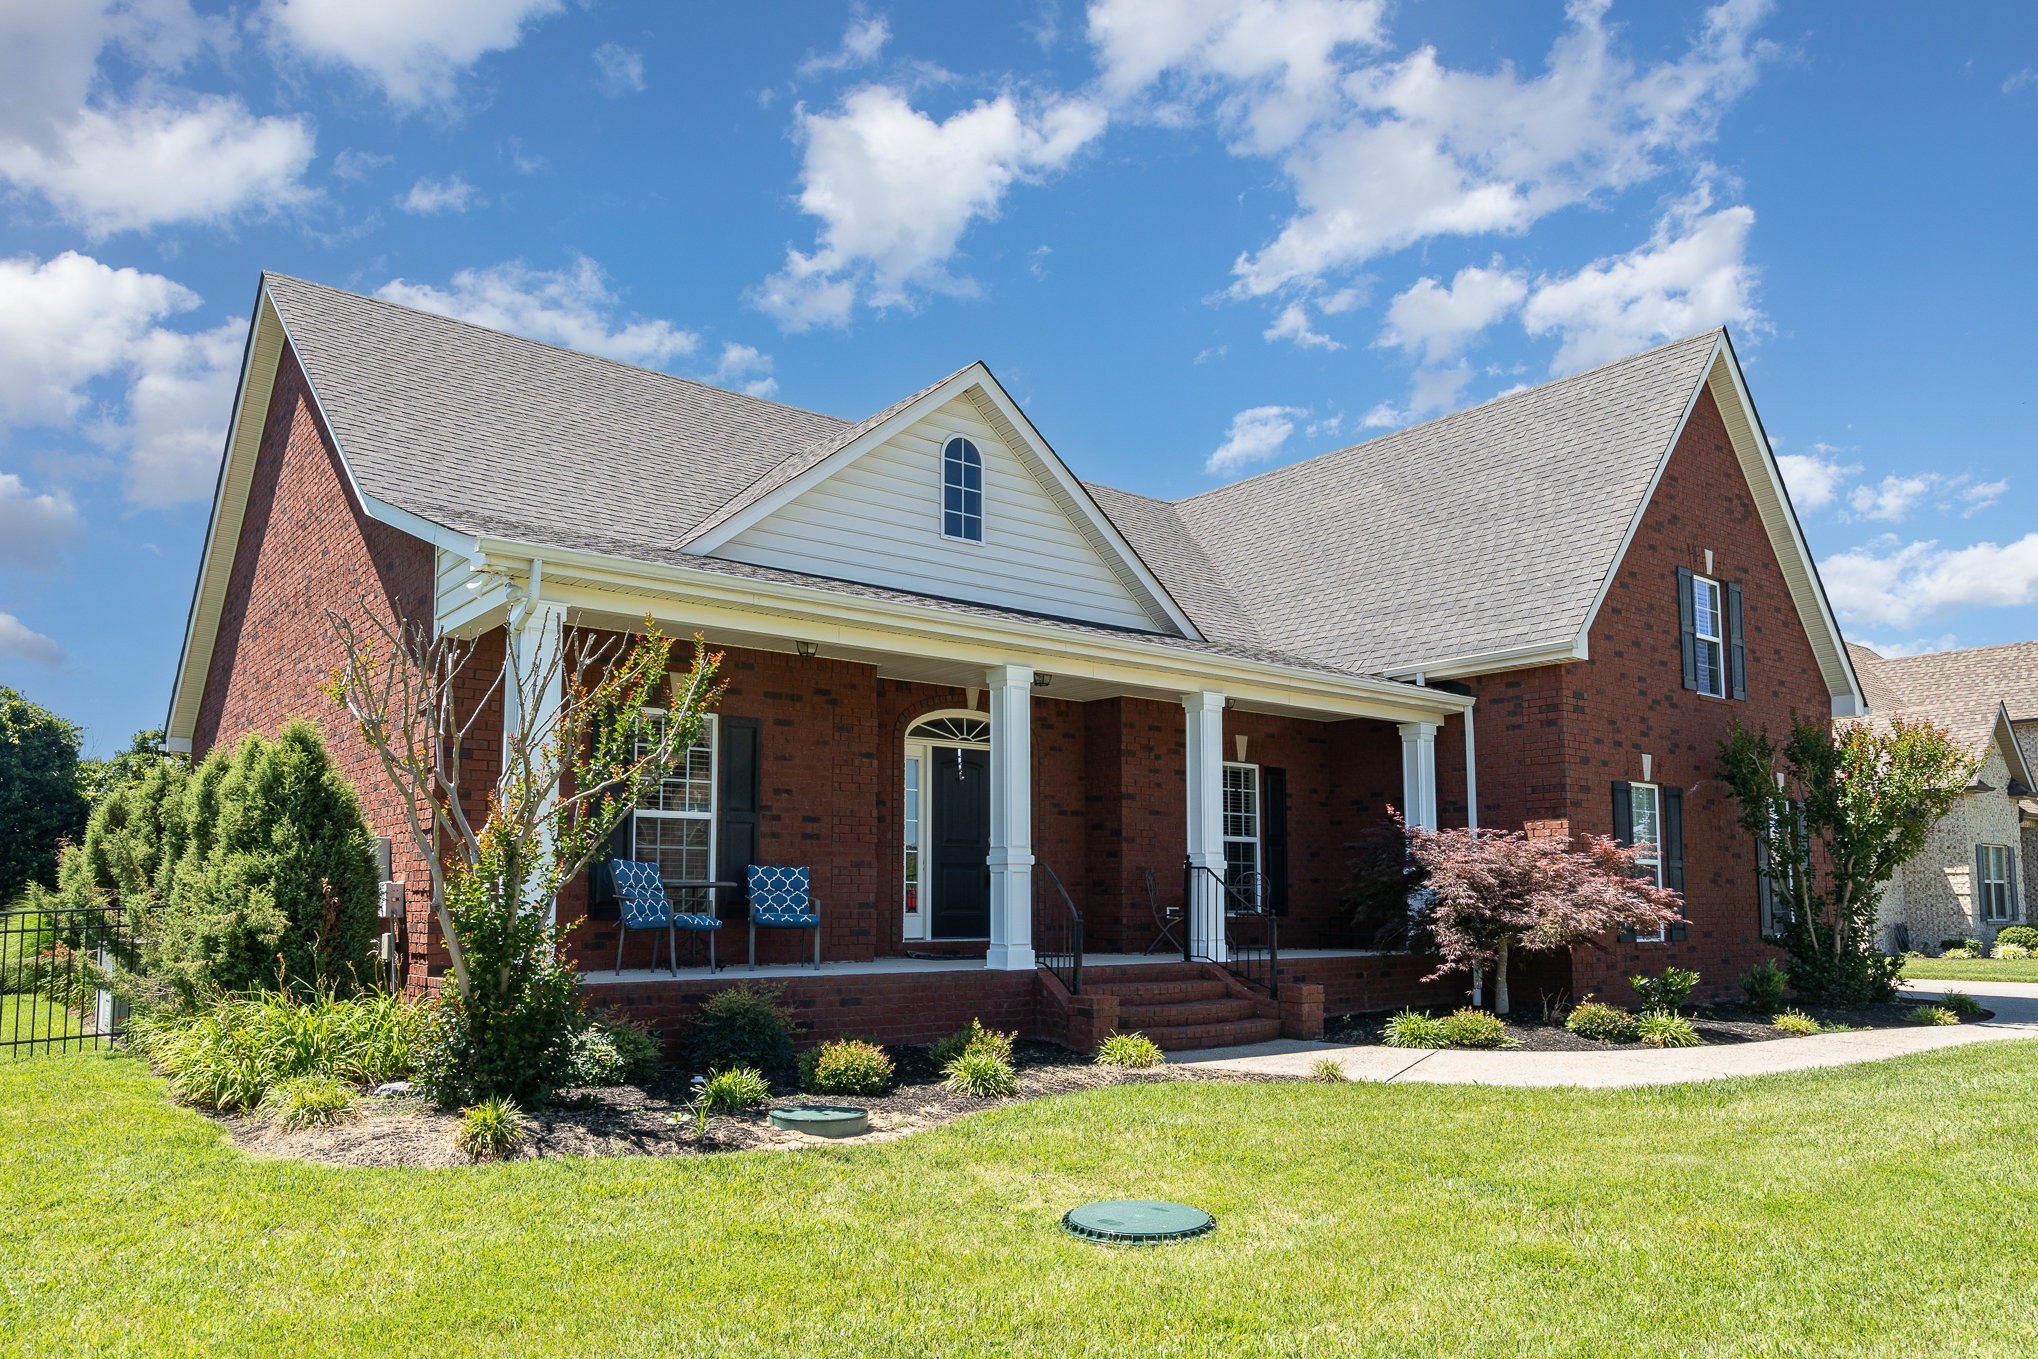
(779, 896)
(640, 894)
(696, 922)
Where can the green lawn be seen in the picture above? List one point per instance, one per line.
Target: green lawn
(1886, 1209)
(32, 1016)
(1971, 969)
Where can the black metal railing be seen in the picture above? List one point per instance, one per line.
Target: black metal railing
(1252, 932)
(56, 978)
(1058, 933)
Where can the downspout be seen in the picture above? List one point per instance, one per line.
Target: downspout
(1471, 777)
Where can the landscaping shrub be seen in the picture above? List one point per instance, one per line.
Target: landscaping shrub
(1602, 1023)
(740, 1087)
(2009, 951)
(1328, 1070)
(1959, 954)
(637, 1046)
(1764, 985)
(982, 1072)
(229, 1054)
(1933, 1014)
(491, 1130)
(1666, 1029)
(1796, 1022)
(846, 1066)
(745, 1025)
(1960, 1003)
(591, 1060)
(1470, 1028)
(1971, 947)
(315, 1101)
(2023, 936)
(976, 1036)
(1667, 992)
(1414, 1029)
(1134, 1050)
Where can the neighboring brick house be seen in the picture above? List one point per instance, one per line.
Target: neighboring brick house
(960, 679)
(1980, 870)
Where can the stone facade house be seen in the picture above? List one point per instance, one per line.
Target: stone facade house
(1980, 870)
(1004, 715)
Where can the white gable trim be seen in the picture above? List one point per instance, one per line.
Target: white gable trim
(1724, 379)
(1005, 418)
(2013, 749)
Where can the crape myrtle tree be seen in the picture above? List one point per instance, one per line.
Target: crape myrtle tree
(1490, 894)
(579, 753)
(1835, 812)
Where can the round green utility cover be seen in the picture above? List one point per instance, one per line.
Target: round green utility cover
(822, 1120)
(1137, 1221)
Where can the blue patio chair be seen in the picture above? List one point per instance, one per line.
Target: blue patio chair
(780, 900)
(643, 905)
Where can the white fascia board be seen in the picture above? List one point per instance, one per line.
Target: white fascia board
(640, 587)
(2013, 749)
(975, 377)
(1490, 662)
(1824, 629)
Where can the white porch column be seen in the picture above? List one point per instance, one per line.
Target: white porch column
(1203, 714)
(1419, 774)
(530, 704)
(1471, 776)
(1011, 857)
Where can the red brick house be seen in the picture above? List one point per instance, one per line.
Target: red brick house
(961, 680)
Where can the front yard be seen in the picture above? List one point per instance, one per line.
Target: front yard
(1887, 1208)
(1971, 969)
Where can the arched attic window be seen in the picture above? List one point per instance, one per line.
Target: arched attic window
(962, 491)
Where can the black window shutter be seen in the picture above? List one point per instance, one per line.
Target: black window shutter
(1624, 829)
(1672, 850)
(1274, 838)
(1687, 627)
(601, 887)
(736, 801)
(1737, 647)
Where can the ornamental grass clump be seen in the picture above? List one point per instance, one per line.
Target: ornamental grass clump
(946, 1050)
(1414, 1029)
(1666, 1029)
(1933, 1014)
(308, 1102)
(981, 1072)
(491, 1131)
(741, 1087)
(1960, 1003)
(229, 1054)
(1796, 1023)
(1329, 1070)
(846, 1066)
(2009, 951)
(1470, 1028)
(1132, 1050)
(1602, 1023)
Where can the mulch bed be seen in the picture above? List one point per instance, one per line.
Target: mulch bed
(640, 1121)
(1720, 1024)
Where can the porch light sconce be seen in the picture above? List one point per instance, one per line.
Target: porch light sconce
(807, 648)
(1041, 679)
(1648, 762)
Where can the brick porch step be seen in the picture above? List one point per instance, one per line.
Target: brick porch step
(1146, 1015)
(1181, 1038)
(1160, 992)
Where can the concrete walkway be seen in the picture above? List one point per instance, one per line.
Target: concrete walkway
(2016, 1016)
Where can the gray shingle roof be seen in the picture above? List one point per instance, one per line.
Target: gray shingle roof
(1987, 675)
(1486, 530)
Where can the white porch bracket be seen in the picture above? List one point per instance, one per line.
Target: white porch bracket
(530, 706)
(1419, 774)
(1203, 715)
(1011, 854)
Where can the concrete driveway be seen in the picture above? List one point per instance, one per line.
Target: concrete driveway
(2016, 1016)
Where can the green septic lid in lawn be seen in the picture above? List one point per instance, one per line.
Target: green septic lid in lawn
(822, 1120)
(1137, 1221)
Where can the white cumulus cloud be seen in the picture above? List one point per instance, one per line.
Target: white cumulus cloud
(1256, 435)
(36, 527)
(19, 642)
(1815, 478)
(865, 37)
(178, 404)
(429, 197)
(1897, 584)
(570, 307)
(895, 190)
(413, 50)
(1435, 321)
(622, 70)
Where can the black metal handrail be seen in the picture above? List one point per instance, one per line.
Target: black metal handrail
(1258, 962)
(1058, 935)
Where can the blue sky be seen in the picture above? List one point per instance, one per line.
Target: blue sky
(1195, 239)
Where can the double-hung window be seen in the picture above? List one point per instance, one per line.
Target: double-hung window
(1645, 802)
(962, 491)
(1992, 892)
(675, 822)
(1708, 629)
(1242, 830)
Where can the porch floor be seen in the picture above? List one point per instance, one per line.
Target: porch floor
(878, 967)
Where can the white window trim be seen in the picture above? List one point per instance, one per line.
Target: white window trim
(919, 924)
(983, 497)
(711, 730)
(1717, 637)
(1990, 855)
(1653, 858)
(1256, 839)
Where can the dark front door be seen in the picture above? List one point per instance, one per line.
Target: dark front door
(962, 843)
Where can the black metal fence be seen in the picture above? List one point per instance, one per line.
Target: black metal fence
(56, 970)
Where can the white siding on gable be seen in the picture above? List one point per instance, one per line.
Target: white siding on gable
(878, 521)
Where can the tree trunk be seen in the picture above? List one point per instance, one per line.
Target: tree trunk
(1500, 981)
(1478, 985)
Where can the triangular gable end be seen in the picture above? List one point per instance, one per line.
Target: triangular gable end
(1723, 378)
(870, 511)
(2013, 750)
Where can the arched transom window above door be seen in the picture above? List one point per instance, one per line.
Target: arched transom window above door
(952, 729)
